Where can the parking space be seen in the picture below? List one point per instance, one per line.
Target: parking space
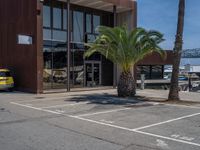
(174, 123)
(186, 129)
(137, 118)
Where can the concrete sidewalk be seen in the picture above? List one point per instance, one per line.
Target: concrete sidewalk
(153, 94)
(163, 95)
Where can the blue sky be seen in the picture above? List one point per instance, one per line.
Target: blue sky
(161, 15)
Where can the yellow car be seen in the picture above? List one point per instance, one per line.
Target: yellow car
(6, 80)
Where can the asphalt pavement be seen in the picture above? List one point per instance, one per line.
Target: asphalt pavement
(97, 120)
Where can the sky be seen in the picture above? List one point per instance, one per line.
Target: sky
(162, 15)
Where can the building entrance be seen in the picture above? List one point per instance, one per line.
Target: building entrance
(62, 69)
(92, 73)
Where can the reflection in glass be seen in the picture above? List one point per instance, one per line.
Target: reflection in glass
(55, 48)
(96, 73)
(96, 23)
(59, 75)
(151, 72)
(46, 16)
(89, 74)
(65, 19)
(93, 75)
(157, 72)
(59, 35)
(46, 34)
(143, 70)
(91, 38)
(88, 23)
(57, 18)
(47, 56)
(77, 68)
(78, 27)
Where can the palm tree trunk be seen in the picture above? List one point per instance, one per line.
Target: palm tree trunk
(174, 88)
(126, 85)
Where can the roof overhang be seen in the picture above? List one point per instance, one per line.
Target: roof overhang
(105, 5)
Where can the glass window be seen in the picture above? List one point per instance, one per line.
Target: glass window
(143, 70)
(65, 19)
(88, 23)
(90, 38)
(57, 15)
(96, 23)
(46, 16)
(78, 68)
(157, 72)
(59, 35)
(46, 34)
(78, 26)
(59, 62)
(47, 44)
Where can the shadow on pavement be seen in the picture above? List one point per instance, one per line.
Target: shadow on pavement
(106, 99)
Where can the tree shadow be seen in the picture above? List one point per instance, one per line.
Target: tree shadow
(106, 99)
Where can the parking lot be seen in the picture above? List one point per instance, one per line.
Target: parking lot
(126, 123)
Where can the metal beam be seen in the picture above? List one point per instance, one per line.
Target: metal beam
(114, 65)
(68, 45)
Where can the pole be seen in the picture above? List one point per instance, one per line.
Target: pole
(115, 65)
(68, 45)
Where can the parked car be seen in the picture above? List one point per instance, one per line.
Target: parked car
(6, 80)
(182, 78)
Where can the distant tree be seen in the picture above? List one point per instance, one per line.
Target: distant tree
(125, 49)
(174, 88)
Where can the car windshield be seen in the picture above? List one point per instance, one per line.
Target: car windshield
(5, 74)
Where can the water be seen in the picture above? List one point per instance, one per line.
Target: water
(191, 61)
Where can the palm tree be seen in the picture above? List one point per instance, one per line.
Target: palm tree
(125, 49)
(174, 89)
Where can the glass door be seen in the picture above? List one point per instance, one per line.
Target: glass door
(92, 73)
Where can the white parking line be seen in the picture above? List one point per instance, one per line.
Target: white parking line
(185, 106)
(44, 99)
(168, 121)
(65, 105)
(45, 110)
(102, 112)
(101, 123)
(168, 138)
(136, 131)
(120, 127)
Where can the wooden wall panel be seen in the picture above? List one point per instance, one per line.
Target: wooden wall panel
(19, 17)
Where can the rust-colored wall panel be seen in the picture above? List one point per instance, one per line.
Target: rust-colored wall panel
(19, 17)
(39, 39)
(155, 59)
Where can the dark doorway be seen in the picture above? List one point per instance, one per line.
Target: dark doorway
(92, 73)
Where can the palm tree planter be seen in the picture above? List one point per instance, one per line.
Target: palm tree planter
(125, 49)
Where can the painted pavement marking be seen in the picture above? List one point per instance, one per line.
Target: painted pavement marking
(65, 105)
(136, 131)
(168, 121)
(120, 127)
(40, 109)
(102, 112)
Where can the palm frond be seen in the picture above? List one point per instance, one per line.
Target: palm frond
(125, 48)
